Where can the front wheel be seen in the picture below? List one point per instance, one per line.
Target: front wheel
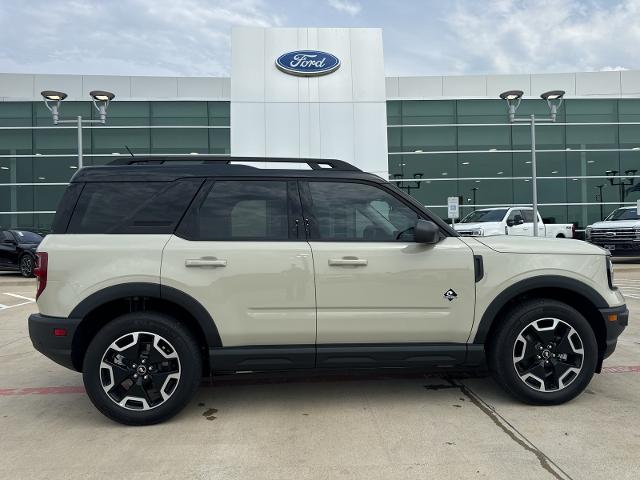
(142, 368)
(544, 353)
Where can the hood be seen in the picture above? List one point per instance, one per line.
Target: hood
(617, 224)
(471, 226)
(541, 245)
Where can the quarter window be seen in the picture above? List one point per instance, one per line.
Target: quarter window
(344, 211)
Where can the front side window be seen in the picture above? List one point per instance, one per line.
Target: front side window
(244, 210)
(344, 211)
(515, 216)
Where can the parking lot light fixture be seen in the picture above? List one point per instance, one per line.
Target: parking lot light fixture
(101, 99)
(513, 99)
(52, 100)
(554, 100)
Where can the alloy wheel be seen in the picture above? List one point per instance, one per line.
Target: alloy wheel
(548, 355)
(140, 371)
(26, 266)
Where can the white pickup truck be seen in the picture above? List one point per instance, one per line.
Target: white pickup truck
(619, 232)
(510, 221)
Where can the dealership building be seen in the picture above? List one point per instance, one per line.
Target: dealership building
(434, 136)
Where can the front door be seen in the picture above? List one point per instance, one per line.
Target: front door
(374, 284)
(8, 254)
(237, 252)
(518, 225)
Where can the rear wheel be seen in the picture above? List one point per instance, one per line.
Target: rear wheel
(27, 264)
(142, 368)
(544, 353)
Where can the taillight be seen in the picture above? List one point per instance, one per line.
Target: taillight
(42, 264)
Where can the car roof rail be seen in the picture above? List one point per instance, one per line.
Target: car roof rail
(314, 163)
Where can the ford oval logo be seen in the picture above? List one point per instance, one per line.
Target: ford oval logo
(308, 63)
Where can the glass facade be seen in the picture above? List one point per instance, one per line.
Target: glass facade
(467, 148)
(453, 147)
(38, 159)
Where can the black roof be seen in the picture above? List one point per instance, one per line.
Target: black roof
(168, 168)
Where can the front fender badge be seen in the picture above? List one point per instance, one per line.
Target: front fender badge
(450, 295)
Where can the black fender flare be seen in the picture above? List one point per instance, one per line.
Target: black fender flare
(153, 290)
(530, 284)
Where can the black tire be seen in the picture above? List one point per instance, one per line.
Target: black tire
(26, 264)
(557, 367)
(155, 328)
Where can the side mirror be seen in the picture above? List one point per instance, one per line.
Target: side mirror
(426, 231)
(509, 223)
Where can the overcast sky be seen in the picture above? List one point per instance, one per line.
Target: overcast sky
(421, 37)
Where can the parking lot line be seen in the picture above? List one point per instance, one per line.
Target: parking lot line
(29, 300)
(20, 296)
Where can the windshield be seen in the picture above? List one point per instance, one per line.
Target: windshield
(624, 214)
(485, 216)
(26, 237)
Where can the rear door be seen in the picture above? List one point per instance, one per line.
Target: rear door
(240, 251)
(528, 220)
(374, 284)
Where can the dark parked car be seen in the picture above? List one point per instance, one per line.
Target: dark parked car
(18, 251)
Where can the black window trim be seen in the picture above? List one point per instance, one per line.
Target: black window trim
(295, 232)
(309, 219)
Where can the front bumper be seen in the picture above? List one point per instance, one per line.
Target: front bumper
(620, 249)
(57, 348)
(616, 320)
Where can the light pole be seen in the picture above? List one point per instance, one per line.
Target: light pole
(101, 99)
(474, 190)
(554, 100)
(599, 198)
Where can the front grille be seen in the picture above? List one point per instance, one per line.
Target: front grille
(614, 235)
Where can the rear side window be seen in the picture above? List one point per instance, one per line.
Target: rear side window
(132, 207)
(527, 215)
(254, 210)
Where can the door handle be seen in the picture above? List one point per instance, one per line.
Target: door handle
(352, 261)
(205, 262)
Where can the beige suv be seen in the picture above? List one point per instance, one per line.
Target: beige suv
(160, 271)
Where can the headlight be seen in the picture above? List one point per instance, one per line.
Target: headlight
(587, 233)
(477, 232)
(610, 273)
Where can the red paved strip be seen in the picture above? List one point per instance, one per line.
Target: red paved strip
(622, 369)
(6, 392)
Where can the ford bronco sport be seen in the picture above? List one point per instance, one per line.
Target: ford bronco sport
(161, 271)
